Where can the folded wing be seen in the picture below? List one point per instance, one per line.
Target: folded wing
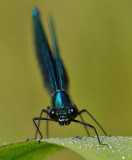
(44, 54)
(62, 78)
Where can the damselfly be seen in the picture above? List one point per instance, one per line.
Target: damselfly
(55, 79)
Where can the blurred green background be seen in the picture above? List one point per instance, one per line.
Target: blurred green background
(95, 39)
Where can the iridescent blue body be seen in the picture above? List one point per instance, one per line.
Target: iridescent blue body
(55, 79)
(53, 71)
(62, 103)
(61, 100)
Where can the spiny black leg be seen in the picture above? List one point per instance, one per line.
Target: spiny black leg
(85, 126)
(84, 110)
(43, 111)
(89, 125)
(47, 126)
(38, 118)
(37, 127)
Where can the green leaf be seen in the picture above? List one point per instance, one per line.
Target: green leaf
(118, 148)
(28, 151)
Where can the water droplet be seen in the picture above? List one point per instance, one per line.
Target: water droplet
(71, 142)
(75, 141)
(110, 146)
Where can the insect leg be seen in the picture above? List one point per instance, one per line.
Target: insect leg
(43, 111)
(84, 110)
(38, 118)
(89, 125)
(84, 125)
(47, 126)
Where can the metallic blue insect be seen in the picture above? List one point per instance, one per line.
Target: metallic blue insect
(56, 81)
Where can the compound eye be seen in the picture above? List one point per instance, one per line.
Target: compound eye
(53, 114)
(74, 111)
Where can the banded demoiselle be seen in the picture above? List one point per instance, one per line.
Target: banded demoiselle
(55, 80)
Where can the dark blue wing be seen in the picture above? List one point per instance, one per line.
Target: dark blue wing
(44, 54)
(62, 78)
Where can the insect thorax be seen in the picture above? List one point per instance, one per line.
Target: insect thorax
(61, 100)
